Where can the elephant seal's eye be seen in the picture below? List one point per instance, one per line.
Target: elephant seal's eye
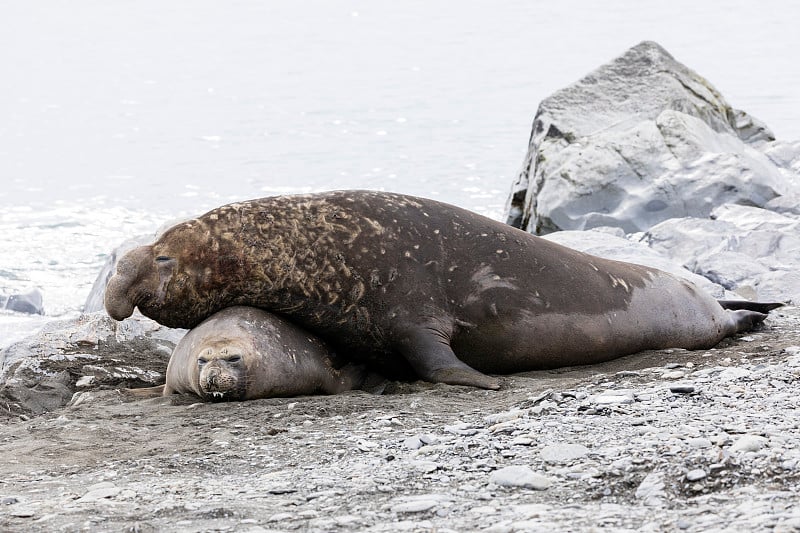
(162, 258)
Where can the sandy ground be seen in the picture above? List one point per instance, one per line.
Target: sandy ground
(662, 441)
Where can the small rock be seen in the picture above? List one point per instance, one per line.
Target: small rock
(699, 442)
(563, 453)
(506, 416)
(532, 510)
(22, 512)
(413, 443)
(733, 373)
(682, 388)
(749, 443)
(99, 491)
(696, 475)
(418, 506)
(614, 397)
(419, 503)
(280, 517)
(84, 381)
(651, 489)
(462, 428)
(519, 476)
(425, 467)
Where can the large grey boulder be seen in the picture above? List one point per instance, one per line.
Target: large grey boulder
(41, 372)
(750, 250)
(641, 140)
(30, 302)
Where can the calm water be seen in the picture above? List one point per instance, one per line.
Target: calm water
(117, 116)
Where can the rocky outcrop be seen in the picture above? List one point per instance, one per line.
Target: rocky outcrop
(752, 251)
(30, 302)
(641, 140)
(649, 148)
(41, 372)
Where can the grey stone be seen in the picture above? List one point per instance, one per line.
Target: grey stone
(614, 397)
(651, 489)
(36, 373)
(696, 474)
(640, 140)
(30, 302)
(563, 453)
(745, 249)
(749, 443)
(520, 476)
(100, 491)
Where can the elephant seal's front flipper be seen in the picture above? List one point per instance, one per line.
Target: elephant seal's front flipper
(432, 358)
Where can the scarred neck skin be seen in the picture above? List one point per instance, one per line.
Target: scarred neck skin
(292, 255)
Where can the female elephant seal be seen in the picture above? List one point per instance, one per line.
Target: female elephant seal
(416, 287)
(244, 353)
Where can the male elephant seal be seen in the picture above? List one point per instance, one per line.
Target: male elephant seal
(244, 353)
(416, 287)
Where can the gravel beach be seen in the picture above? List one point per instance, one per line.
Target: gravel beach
(665, 440)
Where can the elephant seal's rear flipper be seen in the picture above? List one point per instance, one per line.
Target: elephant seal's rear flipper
(745, 320)
(759, 307)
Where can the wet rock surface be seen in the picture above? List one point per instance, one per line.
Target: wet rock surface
(43, 371)
(644, 139)
(28, 302)
(646, 150)
(662, 440)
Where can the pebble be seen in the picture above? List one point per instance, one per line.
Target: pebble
(22, 512)
(463, 429)
(531, 510)
(505, 417)
(84, 381)
(413, 443)
(610, 398)
(651, 489)
(696, 474)
(733, 373)
(682, 388)
(425, 467)
(418, 506)
(699, 442)
(419, 503)
(563, 453)
(100, 491)
(749, 443)
(519, 476)
(280, 517)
